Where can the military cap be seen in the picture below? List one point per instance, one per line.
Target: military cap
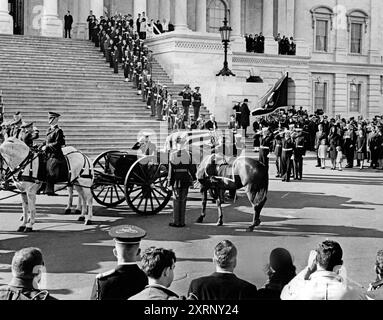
(197, 88)
(164, 86)
(54, 115)
(27, 125)
(187, 87)
(127, 234)
(147, 133)
(246, 100)
(17, 113)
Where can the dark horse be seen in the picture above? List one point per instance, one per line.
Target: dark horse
(216, 175)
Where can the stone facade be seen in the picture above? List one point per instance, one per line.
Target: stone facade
(350, 73)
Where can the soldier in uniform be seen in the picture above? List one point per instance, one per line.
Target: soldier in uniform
(127, 279)
(29, 134)
(265, 146)
(186, 100)
(287, 153)
(56, 163)
(299, 153)
(27, 270)
(277, 146)
(197, 101)
(181, 176)
(159, 102)
(16, 129)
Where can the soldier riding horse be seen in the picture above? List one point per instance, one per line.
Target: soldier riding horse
(217, 175)
(25, 168)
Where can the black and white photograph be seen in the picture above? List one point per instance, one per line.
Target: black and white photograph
(210, 152)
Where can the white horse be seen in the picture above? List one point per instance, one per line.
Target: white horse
(18, 157)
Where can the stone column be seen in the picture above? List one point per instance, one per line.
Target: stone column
(201, 16)
(139, 6)
(374, 33)
(181, 16)
(300, 26)
(165, 10)
(81, 26)
(97, 6)
(51, 25)
(290, 15)
(282, 18)
(6, 20)
(271, 46)
(238, 43)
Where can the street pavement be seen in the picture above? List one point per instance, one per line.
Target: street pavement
(346, 206)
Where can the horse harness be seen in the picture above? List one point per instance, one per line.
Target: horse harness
(19, 170)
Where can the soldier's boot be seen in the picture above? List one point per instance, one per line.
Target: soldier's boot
(50, 189)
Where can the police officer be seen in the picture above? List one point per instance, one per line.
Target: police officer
(27, 271)
(127, 279)
(299, 153)
(186, 100)
(197, 101)
(266, 144)
(181, 177)
(56, 163)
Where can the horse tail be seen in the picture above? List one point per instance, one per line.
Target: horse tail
(260, 189)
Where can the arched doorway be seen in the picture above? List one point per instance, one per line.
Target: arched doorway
(17, 12)
(215, 15)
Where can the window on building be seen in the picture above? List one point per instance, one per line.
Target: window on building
(320, 96)
(215, 15)
(356, 27)
(322, 24)
(355, 90)
(356, 37)
(321, 35)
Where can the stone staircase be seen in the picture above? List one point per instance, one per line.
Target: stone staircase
(99, 110)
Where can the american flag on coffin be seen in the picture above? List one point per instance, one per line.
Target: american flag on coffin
(202, 143)
(274, 99)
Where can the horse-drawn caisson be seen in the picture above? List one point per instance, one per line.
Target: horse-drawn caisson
(140, 180)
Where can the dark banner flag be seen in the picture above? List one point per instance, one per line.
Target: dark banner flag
(274, 99)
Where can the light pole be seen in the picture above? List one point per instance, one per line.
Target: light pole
(225, 31)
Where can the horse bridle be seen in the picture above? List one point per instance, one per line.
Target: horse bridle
(29, 159)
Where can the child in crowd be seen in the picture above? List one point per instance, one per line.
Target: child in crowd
(339, 158)
(322, 152)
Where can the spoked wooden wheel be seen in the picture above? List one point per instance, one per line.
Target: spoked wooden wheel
(146, 187)
(107, 189)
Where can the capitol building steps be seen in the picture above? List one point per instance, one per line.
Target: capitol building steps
(99, 110)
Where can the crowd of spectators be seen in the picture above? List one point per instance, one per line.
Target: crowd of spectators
(256, 43)
(357, 141)
(323, 278)
(286, 46)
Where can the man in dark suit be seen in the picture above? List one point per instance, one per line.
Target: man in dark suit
(158, 264)
(223, 284)
(127, 279)
(211, 124)
(68, 21)
(245, 116)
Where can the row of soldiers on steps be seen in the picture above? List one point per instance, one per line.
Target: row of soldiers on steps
(289, 147)
(121, 44)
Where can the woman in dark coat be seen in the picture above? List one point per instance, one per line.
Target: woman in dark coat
(361, 148)
(334, 141)
(280, 271)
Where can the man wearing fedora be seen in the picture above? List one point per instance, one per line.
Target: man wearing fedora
(245, 116)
